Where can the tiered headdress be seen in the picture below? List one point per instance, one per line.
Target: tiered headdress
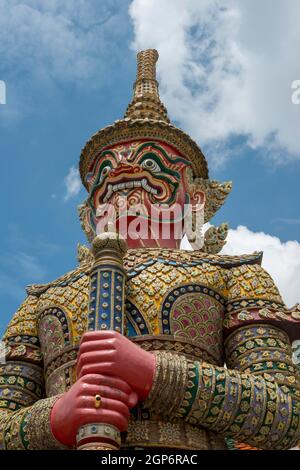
(146, 118)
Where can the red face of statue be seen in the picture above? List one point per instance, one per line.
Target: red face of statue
(140, 189)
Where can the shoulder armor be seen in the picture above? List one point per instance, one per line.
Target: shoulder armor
(137, 260)
(85, 259)
(62, 281)
(229, 261)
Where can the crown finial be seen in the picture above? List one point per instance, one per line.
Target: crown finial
(146, 64)
(146, 103)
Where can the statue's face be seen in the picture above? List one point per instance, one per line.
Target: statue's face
(138, 180)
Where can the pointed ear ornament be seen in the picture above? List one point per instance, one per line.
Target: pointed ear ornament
(215, 195)
(84, 255)
(215, 239)
(84, 212)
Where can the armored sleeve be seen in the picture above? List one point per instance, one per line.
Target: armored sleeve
(255, 397)
(24, 412)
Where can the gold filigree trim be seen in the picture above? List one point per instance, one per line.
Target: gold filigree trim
(39, 431)
(170, 343)
(179, 435)
(135, 257)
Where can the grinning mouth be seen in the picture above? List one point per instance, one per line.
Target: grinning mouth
(143, 183)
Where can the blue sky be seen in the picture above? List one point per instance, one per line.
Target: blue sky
(69, 72)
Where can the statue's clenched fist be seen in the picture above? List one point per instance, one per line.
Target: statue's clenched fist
(110, 353)
(77, 406)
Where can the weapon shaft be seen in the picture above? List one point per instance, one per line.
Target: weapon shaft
(106, 312)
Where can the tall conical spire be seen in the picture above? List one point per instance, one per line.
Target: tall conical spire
(146, 118)
(146, 103)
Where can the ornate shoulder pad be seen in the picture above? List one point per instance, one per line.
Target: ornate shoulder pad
(66, 279)
(228, 261)
(254, 298)
(139, 259)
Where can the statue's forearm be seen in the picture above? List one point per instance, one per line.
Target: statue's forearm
(258, 409)
(24, 416)
(28, 428)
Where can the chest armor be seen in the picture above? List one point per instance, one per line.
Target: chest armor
(175, 301)
(172, 304)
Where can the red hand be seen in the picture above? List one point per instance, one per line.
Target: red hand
(77, 406)
(110, 353)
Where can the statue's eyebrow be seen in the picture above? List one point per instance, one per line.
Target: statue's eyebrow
(171, 160)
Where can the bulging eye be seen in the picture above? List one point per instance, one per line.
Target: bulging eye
(104, 172)
(151, 165)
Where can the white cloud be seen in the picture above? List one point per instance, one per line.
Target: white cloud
(226, 68)
(45, 44)
(59, 39)
(73, 183)
(280, 259)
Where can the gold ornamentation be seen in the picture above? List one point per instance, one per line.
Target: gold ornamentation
(109, 245)
(215, 196)
(169, 385)
(24, 320)
(29, 428)
(98, 401)
(252, 282)
(255, 398)
(169, 343)
(151, 277)
(84, 255)
(215, 239)
(83, 210)
(179, 435)
(97, 446)
(39, 433)
(146, 103)
(224, 398)
(108, 432)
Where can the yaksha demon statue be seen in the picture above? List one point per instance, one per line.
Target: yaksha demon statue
(145, 345)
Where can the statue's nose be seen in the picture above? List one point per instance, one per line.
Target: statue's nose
(125, 168)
